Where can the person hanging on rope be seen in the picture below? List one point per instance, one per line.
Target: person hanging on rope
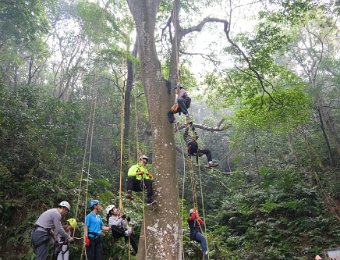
(138, 178)
(61, 246)
(49, 221)
(120, 227)
(181, 106)
(195, 225)
(190, 137)
(93, 231)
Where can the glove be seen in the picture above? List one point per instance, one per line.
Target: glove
(149, 174)
(140, 173)
(87, 241)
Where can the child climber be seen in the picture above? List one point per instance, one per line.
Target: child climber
(61, 245)
(191, 141)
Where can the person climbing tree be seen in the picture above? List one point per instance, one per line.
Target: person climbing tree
(93, 230)
(138, 178)
(61, 245)
(195, 224)
(190, 137)
(181, 106)
(119, 225)
(49, 221)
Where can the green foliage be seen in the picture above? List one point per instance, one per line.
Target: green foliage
(262, 112)
(275, 218)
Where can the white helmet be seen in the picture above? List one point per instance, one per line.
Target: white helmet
(144, 157)
(109, 208)
(65, 204)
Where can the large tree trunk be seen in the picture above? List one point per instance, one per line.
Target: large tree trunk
(162, 221)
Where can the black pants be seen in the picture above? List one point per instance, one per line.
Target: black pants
(183, 106)
(194, 151)
(137, 185)
(95, 250)
(118, 232)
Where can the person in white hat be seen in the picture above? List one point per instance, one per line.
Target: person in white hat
(49, 221)
(138, 177)
(120, 227)
(195, 224)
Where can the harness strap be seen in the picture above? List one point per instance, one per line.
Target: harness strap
(96, 235)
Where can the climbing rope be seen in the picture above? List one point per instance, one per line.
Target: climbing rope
(193, 186)
(122, 126)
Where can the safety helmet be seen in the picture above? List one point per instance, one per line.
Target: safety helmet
(92, 203)
(109, 208)
(65, 204)
(144, 157)
(72, 222)
(191, 211)
(179, 85)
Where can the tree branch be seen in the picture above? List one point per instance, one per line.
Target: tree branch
(199, 26)
(218, 128)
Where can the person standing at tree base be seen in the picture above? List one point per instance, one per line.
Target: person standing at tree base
(49, 221)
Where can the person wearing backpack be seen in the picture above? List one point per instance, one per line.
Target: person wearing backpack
(181, 106)
(120, 227)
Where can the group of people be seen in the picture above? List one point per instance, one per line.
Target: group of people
(190, 136)
(48, 226)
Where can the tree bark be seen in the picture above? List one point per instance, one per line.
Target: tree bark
(162, 239)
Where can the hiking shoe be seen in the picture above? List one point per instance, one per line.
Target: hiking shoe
(129, 195)
(150, 201)
(213, 164)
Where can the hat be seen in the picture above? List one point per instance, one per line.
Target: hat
(179, 85)
(65, 204)
(92, 203)
(144, 157)
(109, 208)
(72, 222)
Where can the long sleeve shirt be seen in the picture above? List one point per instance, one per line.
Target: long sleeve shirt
(116, 221)
(51, 219)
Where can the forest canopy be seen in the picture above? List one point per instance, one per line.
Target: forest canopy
(85, 88)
